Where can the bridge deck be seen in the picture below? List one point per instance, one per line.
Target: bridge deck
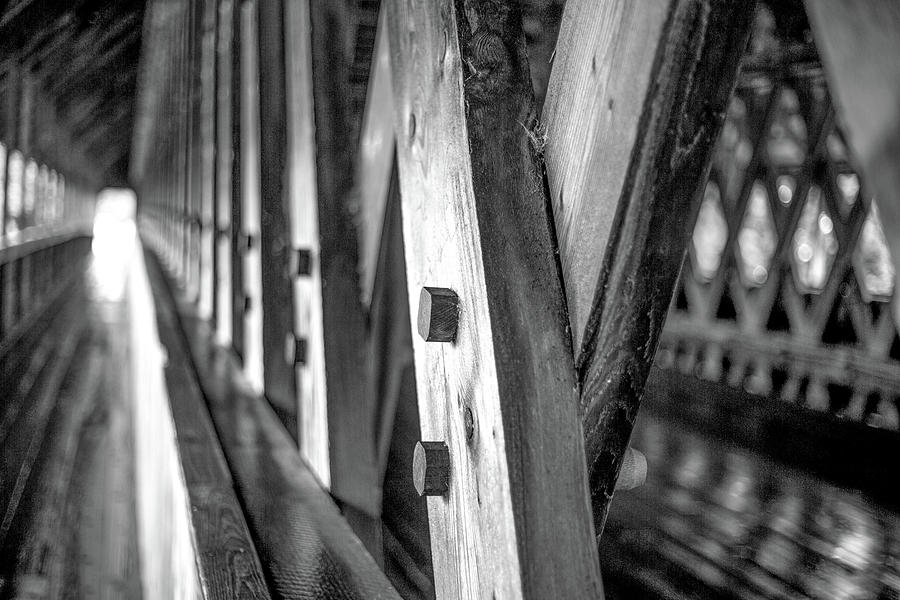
(67, 503)
(718, 521)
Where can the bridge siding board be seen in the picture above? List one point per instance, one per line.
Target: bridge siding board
(516, 521)
(651, 196)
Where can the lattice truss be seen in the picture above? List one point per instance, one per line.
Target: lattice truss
(787, 285)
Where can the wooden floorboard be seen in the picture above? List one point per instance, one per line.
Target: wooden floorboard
(67, 494)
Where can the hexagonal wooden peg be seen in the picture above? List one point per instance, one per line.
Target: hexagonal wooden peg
(438, 315)
(431, 468)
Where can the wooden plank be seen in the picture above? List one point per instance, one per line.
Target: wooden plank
(636, 100)
(858, 42)
(350, 412)
(312, 399)
(224, 158)
(250, 223)
(207, 155)
(309, 550)
(515, 522)
(277, 322)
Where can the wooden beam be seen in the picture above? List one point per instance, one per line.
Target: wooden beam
(375, 160)
(858, 43)
(306, 276)
(222, 307)
(635, 102)
(251, 217)
(277, 297)
(351, 414)
(515, 521)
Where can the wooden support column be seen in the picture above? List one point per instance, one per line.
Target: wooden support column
(859, 43)
(305, 271)
(223, 165)
(350, 412)
(237, 185)
(635, 102)
(251, 272)
(514, 521)
(279, 346)
(207, 152)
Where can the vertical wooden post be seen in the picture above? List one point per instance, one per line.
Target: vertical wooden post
(223, 165)
(350, 412)
(502, 396)
(207, 157)
(279, 346)
(635, 102)
(305, 272)
(250, 201)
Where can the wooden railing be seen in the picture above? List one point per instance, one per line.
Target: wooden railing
(788, 284)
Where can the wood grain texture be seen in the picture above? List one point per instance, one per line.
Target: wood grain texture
(602, 69)
(858, 43)
(647, 203)
(515, 522)
(308, 551)
(312, 396)
(225, 552)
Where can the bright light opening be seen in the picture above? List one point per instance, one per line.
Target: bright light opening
(114, 242)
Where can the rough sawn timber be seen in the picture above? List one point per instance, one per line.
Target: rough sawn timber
(515, 522)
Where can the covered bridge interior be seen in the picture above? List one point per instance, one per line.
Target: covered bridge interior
(450, 299)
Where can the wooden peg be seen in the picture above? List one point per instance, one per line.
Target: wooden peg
(634, 470)
(438, 314)
(431, 468)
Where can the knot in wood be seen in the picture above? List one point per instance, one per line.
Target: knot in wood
(438, 316)
(431, 468)
(487, 49)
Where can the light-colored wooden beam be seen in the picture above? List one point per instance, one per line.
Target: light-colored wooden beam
(312, 399)
(515, 521)
(635, 102)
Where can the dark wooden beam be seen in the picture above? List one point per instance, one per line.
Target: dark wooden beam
(636, 100)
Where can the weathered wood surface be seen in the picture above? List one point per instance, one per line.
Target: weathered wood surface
(515, 522)
(306, 278)
(858, 43)
(308, 550)
(226, 555)
(630, 126)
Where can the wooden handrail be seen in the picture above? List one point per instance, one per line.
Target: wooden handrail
(30, 240)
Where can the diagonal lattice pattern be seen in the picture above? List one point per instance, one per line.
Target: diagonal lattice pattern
(786, 288)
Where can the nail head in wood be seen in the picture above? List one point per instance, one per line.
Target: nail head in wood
(634, 470)
(431, 468)
(438, 314)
